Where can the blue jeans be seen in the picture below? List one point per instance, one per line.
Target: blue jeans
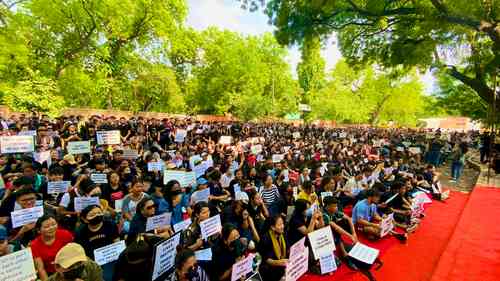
(456, 170)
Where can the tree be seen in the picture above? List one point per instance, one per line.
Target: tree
(311, 69)
(408, 33)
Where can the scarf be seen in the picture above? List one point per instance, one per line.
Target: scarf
(278, 247)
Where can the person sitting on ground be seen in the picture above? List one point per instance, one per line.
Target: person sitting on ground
(274, 249)
(71, 263)
(187, 269)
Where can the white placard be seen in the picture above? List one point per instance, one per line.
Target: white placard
(400, 148)
(56, 187)
(26, 216)
(406, 143)
(43, 156)
(78, 147)
(158, 221)
(131, 154)
(225, 140)
(27, 133)
(180, 135)
(82, 202)
(296, 135)
(200, 195)
(17, 144)
(242, 268)
(240, 195)
(108, 137)
(165, 255)
(210, 227)
(183, 225)
(155, 166)
(297, 264)
(322, 243)
(109, 253)
(386, 225)
(18, 266)
(256, 149)
(325, 194)
(414, 150)
(364, 253)
(342, 135)
(278, 157)
(327, 263)
(99, 178)
(118, 205)
(184, 178)
(420, 197)
(204, 255)
(200, 169)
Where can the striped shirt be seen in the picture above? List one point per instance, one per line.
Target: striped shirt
(270, 195)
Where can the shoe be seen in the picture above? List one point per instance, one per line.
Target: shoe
(411, 228)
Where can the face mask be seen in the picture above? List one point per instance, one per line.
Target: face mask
(73, 273)
(96, 220)
(238, 247)
(192, 273)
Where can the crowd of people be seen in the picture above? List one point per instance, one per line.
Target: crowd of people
(271, 184)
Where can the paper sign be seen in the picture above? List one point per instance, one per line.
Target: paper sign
(109, 253)
(256, 149)
(386, 225)
(240, 195)
(17, 144)
(414, 150)
(82, 202)
(26, 216)
(322, 242)
(210, 227)
(183, 225)
(155, 166)
(108, 137)
(342, 135)
(297, 265)
(184, 178)
(400, 148)
(298, 247)
(406, 143)
(165, 255)
(118, 205)
(27, 133)
(200, 169)
(327, 263)
(200, 195)
(242, 268)
(130, 154)
(18, 266)
(204, 255)
(43, 156)
(78, 147)
(56, 187)
(325, 194)
(296, 135)
(180, 135)
(278, 157)
(99, 178)
(225, 140)
(364, 253)
(158, 221)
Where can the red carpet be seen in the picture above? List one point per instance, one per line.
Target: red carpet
(416, 260)
(473, 253)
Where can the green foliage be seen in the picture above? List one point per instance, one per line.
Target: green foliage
(311, 69)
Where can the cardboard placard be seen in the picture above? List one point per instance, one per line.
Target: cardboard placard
(321, 241)
(210, 227)
(165, 253)
(109, 253)
(18, 266)
(26, 216)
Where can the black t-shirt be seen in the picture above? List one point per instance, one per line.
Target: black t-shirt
(94, 240)
(223, 259)
(294, 234)
(124, 129)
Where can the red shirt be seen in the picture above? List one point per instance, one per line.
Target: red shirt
(48, 253)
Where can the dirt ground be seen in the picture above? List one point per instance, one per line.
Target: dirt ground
(467, 180)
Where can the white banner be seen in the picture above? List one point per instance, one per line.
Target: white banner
(78, 147)
(180, 135)
(184, 178)
(210, 227)
(109, 253)
(18, 266)
(108, 137)
(17, 144)
(26, 216)
(165, 256)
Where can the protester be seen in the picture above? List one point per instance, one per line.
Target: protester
(186, 268)
(71, 263)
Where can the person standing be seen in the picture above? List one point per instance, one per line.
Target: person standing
(458, 158)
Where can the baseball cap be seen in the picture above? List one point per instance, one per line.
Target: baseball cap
(201, 181)
(4, 235)
(69, 255)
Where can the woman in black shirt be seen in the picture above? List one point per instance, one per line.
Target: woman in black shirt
(274, 250)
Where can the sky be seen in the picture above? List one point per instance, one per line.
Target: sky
(227, 14)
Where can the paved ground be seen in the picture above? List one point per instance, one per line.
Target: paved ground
(467, 181)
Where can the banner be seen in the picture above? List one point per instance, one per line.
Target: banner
(17, 144)
(18, 266)
(108, 137)
(26, 216)
(78, 147)
(109, 253)
(165, 256)
(321, 241)
(210, 227)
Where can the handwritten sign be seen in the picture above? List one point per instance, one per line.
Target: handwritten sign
(158, 221)
(26, 216)
(278, 157)
(204, 255)
(99, 178)
(210, 227)
(108, 137)
(183, 225)
(82, 202)
(17, 144)
(242, 268)
(386, 225)
(78, 147)
(131, 154)
(414, 150)
(298, 261)
(226, 140)
(180, 135)
(109, 253)
(200, 195)
(155, 166)
(165, 256)
(184, 178)
(327, 264)
(322, 242)
(56, 187)
(18, 266)
(364, 253)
